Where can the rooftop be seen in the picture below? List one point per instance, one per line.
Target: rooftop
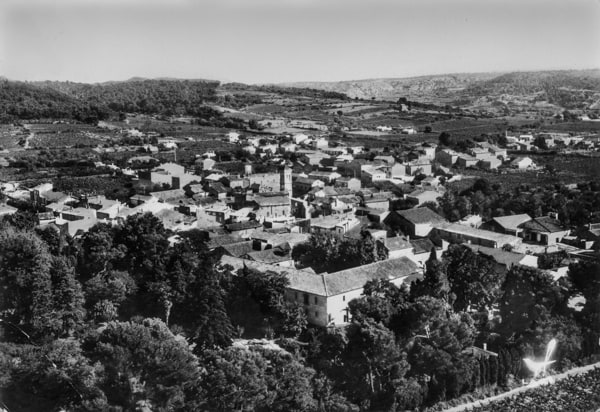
(512, 222)
(544, 224)
(420, 215)
(499, 238)
(397, 243)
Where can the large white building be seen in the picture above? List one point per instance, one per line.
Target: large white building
(325, 296)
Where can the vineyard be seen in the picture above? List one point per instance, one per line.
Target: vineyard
(62, 135)
(574, 393)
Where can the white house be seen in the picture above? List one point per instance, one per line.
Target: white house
(522, 163)
(325, 296)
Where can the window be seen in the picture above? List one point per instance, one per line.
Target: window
(316, 314)
(296, 295)
(316, 300)
(344, 298)
(306, 299)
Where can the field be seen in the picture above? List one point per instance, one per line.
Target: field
(11, 136)
(50, 135)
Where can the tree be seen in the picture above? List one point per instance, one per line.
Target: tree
(99, 249)
(585, 280)
(446, 139)
(434, 283)
(68, 313)
(25, 280)
(529, 296)
(373, 361)
(55, 376)
(144, 362)
(472, 278)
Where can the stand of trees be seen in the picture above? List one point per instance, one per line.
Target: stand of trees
(122, 319)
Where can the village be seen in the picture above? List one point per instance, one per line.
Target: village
(317, 186)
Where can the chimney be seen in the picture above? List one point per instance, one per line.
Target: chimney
(485, 346)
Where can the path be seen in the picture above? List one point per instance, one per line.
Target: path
(546, 381)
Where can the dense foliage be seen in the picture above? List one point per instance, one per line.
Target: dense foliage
(124, 319)
(93, 102)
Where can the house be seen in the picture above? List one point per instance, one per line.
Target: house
(325, 296)
(303, 185)
(351, 183)
(267, 240)
(243, 229)
(279, 256)
(397, 246)
(370, 174)
(376, 201)
(543, 230)
(457, 233)
(418, 167)
(238, 249)
(422, 196)
(338, 224)
(327, 177)
(489, 163)
(505, 260)
(509, 225)
(414, 222)
(311, 157)
(384, 128)
(269, 207)
(319, 143)
(522, 163)
(480, 153)
(78, 220)
(447, 157)
(233, 137)
(299, 138)
(288, 147)
(465, 161)
(105, 208)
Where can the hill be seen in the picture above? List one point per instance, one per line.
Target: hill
(91, 102)
(569, 89)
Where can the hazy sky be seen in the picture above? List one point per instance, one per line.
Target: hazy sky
(258, 41)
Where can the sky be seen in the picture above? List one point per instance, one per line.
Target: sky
(274, 41)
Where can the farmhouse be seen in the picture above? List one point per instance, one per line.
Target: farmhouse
(325, 296)
(414, 222)
(457, 233)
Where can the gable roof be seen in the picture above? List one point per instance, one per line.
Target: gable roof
(355, 278)
(238, 249)
(422, 245)
(512, 222)
(396, 243)
(543, 224)
(420, 215)
(502, 257)
(331, 284)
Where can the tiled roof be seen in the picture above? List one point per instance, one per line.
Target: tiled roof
(420, 215)
(396, 243)
(499, 238)
(512, 222)
(250, 224)
(238, 249)
(503, 257)
(330, 284)
(422, 245)
(270, 255)
(543, 224)
(355, 278)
